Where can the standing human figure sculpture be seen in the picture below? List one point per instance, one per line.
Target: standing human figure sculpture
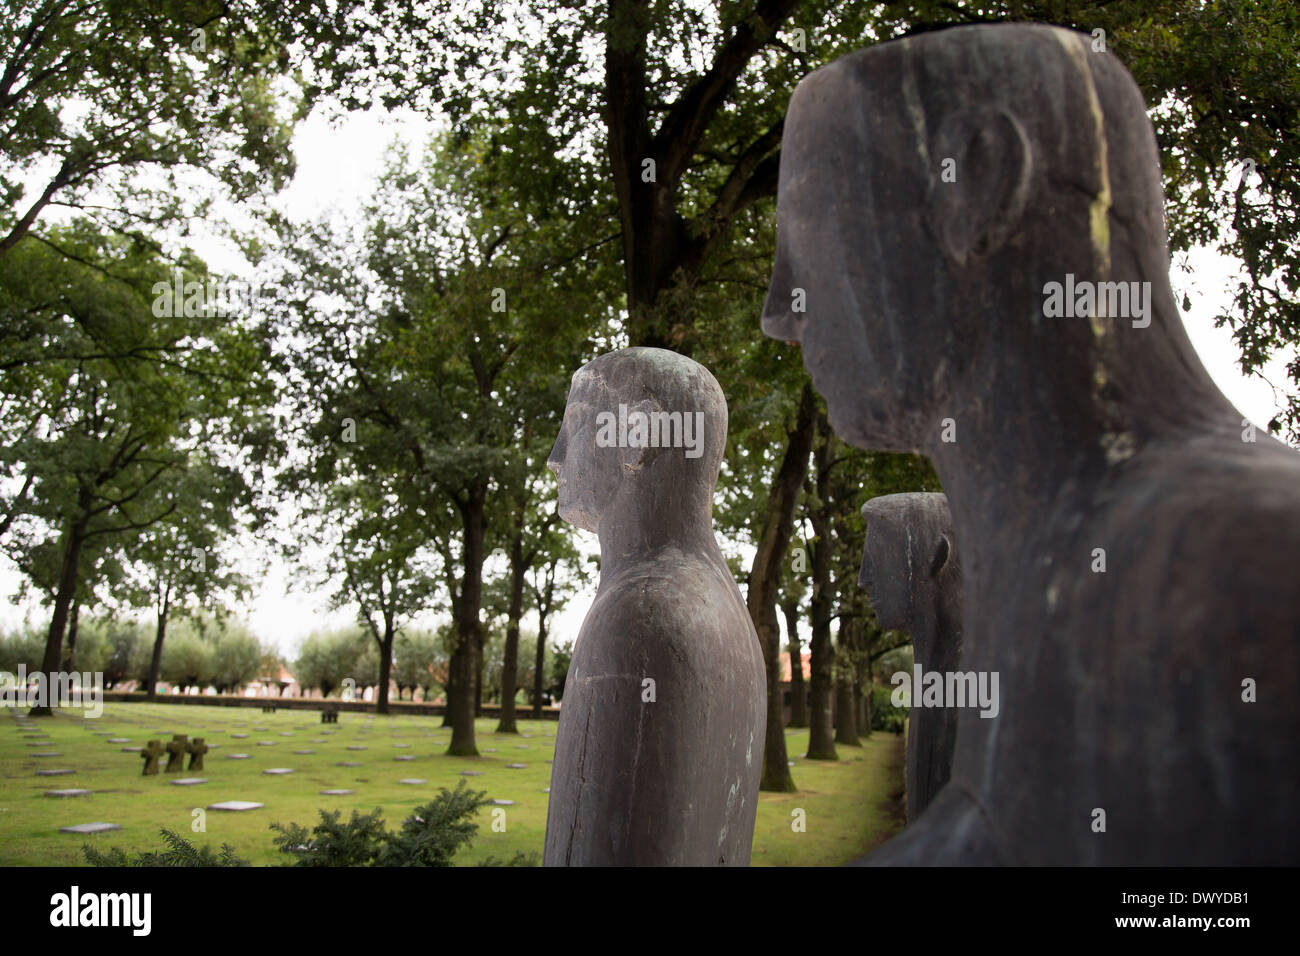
(912, 575)
(1129, 543)
(659, 748)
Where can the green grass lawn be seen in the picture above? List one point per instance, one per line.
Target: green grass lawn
(849, 805)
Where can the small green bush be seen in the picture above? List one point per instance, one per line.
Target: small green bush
(884, 715)
(179, 852)
(431, 836)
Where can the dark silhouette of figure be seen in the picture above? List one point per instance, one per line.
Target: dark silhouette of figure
(659, 748)
(912, 576)
(1129, 549)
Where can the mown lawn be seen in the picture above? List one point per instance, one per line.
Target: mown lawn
(849, 805)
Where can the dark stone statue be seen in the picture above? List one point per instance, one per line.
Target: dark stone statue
(912, 575)
(1129, 547)
(659, 747)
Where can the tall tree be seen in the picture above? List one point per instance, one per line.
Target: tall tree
(765, 579)
(96, 437)
(820, 511)
(442, 339)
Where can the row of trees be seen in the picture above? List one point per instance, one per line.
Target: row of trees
(606, 181)
(199, 654)
(328, 660)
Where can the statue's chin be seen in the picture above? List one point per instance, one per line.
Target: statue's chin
(579, 517)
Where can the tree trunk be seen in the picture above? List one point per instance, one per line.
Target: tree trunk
(70, 660)
(846, 711)
(463, 666)
(510, 666)
(821, 735)
(62, 604)
(385, 667)
(798, 696)
(538, 682)
(862, 680)
(765, 579)
(155, 663)
(846, 697)
(449, 686)
(478, 674)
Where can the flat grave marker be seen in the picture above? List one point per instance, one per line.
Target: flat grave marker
(91, 828)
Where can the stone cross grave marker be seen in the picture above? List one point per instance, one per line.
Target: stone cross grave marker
(176, 754)
(151, 753)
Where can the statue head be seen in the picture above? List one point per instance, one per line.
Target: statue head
(644, 432)
(909, 564)
(930, 188)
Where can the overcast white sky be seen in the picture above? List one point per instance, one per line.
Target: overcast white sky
(337, 168)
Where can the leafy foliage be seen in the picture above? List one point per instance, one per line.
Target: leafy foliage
(884, 715)
(431, 836)
(179, 852)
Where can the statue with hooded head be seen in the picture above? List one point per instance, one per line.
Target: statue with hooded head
(659, 748)
(971, 255)
(912, 576)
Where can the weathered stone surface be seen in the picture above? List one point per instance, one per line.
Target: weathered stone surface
(660, 742)
(1069, 440)
(68, 793)
(176, 751)
(53, 773)
(413, 781)
(236, 806)
(196, 749)
(238, 756)
(86, 828)
(912, 575)
(151, 755)
(188, 782)
(278, 771)
(337, 793)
